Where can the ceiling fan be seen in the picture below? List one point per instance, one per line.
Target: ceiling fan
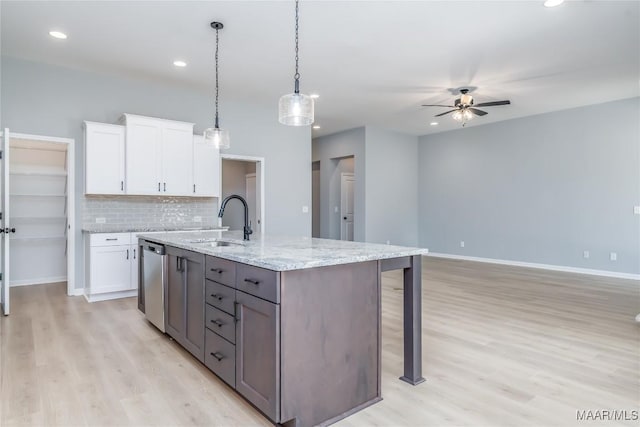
(464, 108)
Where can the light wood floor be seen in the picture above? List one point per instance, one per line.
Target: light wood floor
(502, 346)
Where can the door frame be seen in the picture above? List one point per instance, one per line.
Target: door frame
(343, 231)
(260, 167)
(71, 201)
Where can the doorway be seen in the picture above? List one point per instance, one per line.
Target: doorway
(38, 245)
(347, 187)
(315, 199)
(244, 176)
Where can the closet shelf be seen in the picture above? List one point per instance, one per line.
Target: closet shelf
(35, 239)
(36, 195)
(38, 173)
(38, 218)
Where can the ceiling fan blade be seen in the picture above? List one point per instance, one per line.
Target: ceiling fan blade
(492, 103)
(434, 105)
(447, 112)
(477, 112)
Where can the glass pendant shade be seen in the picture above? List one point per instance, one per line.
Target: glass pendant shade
(295, 109)
(219, 138)
(462, 115)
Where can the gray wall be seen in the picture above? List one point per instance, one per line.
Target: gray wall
(50, 100)
(391, 187)
(539, 189)
(327, 150)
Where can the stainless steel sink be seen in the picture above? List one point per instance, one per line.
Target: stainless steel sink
(217, 243)
(203, 240)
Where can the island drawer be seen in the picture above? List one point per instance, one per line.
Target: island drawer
(221, 271)
(220, 357)
(220, 296)
(259, 282)
(221, 323)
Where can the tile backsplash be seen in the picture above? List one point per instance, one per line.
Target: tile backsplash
(149, 211)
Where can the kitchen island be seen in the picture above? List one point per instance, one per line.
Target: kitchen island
(292, 324)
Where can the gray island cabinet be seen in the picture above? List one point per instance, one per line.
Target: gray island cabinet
(301, 340)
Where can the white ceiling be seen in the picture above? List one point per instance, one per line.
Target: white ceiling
(372, 62)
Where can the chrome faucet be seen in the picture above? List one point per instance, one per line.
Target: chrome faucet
(247, 225)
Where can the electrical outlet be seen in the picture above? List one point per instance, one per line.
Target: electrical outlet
(613, 256)
(585, 254)
(305, 209)
(636, 210)
(462, 243)
(101, 220)
(197, 219)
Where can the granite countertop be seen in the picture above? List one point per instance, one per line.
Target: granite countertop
(115, 228)
(281, 253)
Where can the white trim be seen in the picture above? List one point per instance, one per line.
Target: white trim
(563, 268)
(71, 201)
(77, 292)
(111, 295)
(259, 170)
(43, 281)
(53, 139)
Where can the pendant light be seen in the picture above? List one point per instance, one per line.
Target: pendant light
(216, 136)
(296, 109)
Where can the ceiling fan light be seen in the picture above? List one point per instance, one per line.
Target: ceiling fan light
(217, 137)
(466, 99)
(295, 109)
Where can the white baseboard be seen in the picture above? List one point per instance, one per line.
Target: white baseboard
(552, 267)
(110, 295)
(77, 292)
(42, 281)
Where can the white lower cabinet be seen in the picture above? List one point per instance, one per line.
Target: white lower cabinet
(111, 266)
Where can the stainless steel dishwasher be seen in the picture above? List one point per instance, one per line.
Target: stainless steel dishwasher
(154, 276)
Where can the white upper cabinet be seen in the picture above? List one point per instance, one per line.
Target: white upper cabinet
(206, 169)
(158, 156)
(104, 158)
(177, 159)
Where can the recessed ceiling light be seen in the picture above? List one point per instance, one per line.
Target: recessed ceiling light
(434, 123)
(553, 3)
(179, 63)
(58, 34)
(316, 126)
(314, 96)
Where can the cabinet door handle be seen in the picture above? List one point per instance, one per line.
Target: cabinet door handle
(134, 254)
(219, 297)
(218, 356)
(121, 185)
(218, 322)
(158, 186)
(178, 264)
(127, 253)
(165, 186)
(252, 281)
(217, 270)
(236, 313)
(194, 188)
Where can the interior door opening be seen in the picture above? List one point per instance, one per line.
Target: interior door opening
(37, 212)
(243, 176)
(347, 187)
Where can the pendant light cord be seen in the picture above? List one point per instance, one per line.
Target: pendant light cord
(297, 75)
(217, 90)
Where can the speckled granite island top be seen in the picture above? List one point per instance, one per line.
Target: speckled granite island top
(281, 253)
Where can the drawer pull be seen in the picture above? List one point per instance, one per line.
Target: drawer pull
(217, 270)
(219, 297)
(252, 281)
(218, 356)
(218, 322)
(112, 240)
